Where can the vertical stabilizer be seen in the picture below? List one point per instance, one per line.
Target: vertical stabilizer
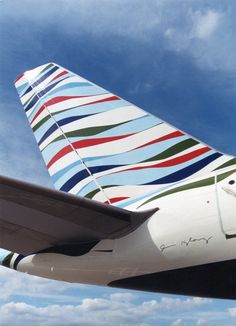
(97, 145)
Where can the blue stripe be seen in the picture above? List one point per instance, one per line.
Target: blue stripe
(154, 175)
(186, 172)
(74, 180)
(101, 168)
(78, 91)
(55, 177)
(69, 172)
(21, 89)
(47, 89)
(87, 189)
(135, 177)
(75, 87)
(64, 121)
(40, 80)
(27, 91)
(53, 148)
(91, 109)
(53, 128)
(137, 125)
(43, 128)
(31, 103)
(134, 156)
(36, 108)
(127, 202)
(132, 126)
(41, 94)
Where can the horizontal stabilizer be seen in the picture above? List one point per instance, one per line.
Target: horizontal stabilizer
(34, 218)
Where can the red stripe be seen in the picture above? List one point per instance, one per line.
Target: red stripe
(183, 158)
(112, 98)
(172, 162)
(166, 137)
(96, 141)
(64, 98)
(83, 143)
(61, 153)
(59, 75)
(54, 101)
(115, 200)
(18, 78)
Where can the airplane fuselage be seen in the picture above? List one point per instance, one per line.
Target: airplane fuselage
(137, 204)
(186, 247)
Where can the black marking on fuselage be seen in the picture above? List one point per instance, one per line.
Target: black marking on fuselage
(71, 249)
(103, 250)
(213, 280)
(7, 260)
(17, 260)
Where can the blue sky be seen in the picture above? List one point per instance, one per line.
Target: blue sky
(174, 58)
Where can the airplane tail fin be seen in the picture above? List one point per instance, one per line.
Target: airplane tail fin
(97, 145)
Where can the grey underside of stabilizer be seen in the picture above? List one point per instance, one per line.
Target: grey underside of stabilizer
(34, 218)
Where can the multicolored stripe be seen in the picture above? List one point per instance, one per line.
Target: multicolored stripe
(191, 185)
(99, 146)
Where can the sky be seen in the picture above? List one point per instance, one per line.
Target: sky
(173, 58)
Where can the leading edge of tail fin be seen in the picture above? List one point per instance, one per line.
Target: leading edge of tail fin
(97, 145)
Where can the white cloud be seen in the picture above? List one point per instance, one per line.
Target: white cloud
(123, 296)
(188, 26)
(99, 17)
(118, 309)
(204, 34)
(199, 322)
(205, 24)
(232, 312)
(203, 322)
(179, 322)
(177, 303)
(14, 283)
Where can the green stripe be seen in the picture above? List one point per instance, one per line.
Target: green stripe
(193, 185)
(40, 123)
(53, 113)
(224, 175)
(87, 131)
(58, 112)
(7, 260)
(91, 194)
(173, 150)
(46, 68)
(228, 163)
(29, 99)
